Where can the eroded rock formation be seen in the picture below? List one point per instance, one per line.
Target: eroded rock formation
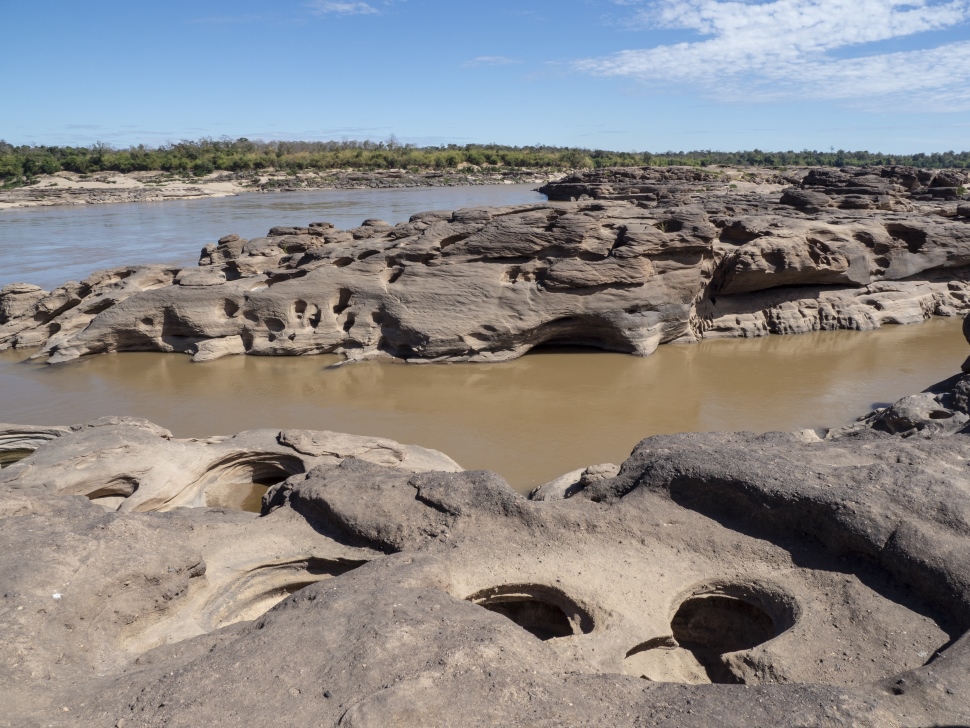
(815, 578)
(128, 464)
(669, 255)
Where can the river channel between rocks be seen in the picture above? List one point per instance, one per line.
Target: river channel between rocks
(49, 245)
(530, 420)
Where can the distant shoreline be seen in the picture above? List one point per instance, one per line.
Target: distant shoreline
(71, 189)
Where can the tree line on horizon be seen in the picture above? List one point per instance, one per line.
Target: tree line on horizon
(20, 164)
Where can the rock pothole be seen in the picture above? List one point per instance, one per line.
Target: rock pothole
(241, 483)
(545, 612)
(708, 625)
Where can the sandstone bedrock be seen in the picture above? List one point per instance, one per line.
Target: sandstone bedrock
(623, 259)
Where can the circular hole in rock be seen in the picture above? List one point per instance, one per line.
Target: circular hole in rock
(720, 623)
(544, 612)
(274, 324)
(241, 484)
(708, 625)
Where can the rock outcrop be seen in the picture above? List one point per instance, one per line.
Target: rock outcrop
(712, 579)
(67, 188)
(624, 272)
(19, 441)
(128, 464)
(810, 189)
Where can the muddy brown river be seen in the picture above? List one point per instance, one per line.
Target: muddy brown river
(531, 419)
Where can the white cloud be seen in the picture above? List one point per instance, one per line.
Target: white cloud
(331, 7)
(785, 48)
(490, 61)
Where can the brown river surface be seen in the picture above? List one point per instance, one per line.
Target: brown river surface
(530, 420)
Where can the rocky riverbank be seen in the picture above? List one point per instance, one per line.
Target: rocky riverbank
(633, 259)
(789, 579)
(67, 188)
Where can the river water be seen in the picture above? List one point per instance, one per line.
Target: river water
(530, 420)
(49, 245)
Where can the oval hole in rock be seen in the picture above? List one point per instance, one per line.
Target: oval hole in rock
(350, 321)
(544, 612)
(709, 624)
(241, 484)
(343, 301)
(274, 324)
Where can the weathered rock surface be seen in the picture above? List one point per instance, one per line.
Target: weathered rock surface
(66, 188)
(811, 189)
(712, 579)
(127, 464)
(626, 272)
(18, 441)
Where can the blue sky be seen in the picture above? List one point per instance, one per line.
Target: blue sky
(615, 74)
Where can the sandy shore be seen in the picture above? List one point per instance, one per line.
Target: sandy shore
(68, 188)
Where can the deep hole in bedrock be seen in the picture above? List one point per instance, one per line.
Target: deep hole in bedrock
(713, 625)
(541, 619)
(242, 485)
(544, 612)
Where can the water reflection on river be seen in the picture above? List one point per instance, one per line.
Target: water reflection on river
(49, 245)
(530, 419)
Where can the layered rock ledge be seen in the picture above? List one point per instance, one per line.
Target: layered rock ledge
(814, 578)
(662, 261)
(69, 188)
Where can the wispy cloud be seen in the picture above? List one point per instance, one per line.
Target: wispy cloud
(336, 7)
(490, 61)
(796, 48)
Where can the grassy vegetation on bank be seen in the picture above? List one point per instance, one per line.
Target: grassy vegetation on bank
(20, 164)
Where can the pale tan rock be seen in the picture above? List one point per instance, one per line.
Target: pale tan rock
(213, 349)
(132, 465)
